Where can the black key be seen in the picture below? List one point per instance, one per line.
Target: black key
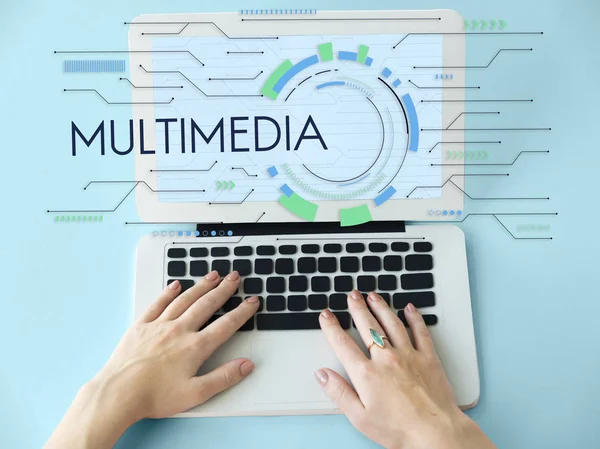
(371, 263)
(276, 285)
(307, 265)
(417, 299)
(332, 248)
(243, 251)
(298, 283)
(355, 247)
(400, 247)
(199, 252)
(343, 283)
(378, 247)
(176, 269)
(198, 268)
(242, 266)
(248, 325)
(327, 264)
(392, 263)
(288, 249)
(260, 303)
(320, 284)
(310, 249)
(297, 303)
(419, 281)
(387, 282)
(385, 297)
(253, 285)
(284, 266)
(349, 264)
(430, 320)
(223, 266)
(185, 283)
(263, 266)
(220, 251)
(422, 247)
(299, 321)
(317, 302)
(265, 250)
(232, 303)
(275, 303)
(177, 253)
(419, 262)
(365, 283)
(338, 301)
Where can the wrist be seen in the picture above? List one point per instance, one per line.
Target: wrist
(465, 434)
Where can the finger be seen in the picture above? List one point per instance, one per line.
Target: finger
(340, 392)
(345, 348)
(203, 388)
(222, 329)
(160, 304)
(393, 327)
(421, 335)
(190, 296)
(363, 318)
(199, 313)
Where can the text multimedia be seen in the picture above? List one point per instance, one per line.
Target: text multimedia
(238, 126)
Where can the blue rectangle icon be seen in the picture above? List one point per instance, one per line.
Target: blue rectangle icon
(347, 56)
(272, 172)
(369, 61)
(95, 66)
(386, 195)
(386, 73)
(286, 190)
(397, 83)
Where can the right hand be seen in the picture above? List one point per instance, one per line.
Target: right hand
(401, 396)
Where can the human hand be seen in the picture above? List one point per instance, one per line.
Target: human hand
(153, 371)
(401, 396)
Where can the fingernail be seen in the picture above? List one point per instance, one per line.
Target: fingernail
(410, 308)
(212, 276)
(373, 297)
(174, 285)
(246, 368)
(321, 376)
(233, 276)
(355, 295)
(326, 313)
(252, 299)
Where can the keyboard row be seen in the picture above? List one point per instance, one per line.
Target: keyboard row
(304, 321)
(303, 265)
(270, 250)
(324, 284)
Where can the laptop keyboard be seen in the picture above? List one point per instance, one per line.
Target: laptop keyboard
(295, 282)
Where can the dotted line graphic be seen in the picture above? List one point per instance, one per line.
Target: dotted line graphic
(332, 196)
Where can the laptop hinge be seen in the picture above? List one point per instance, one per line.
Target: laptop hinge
(231, 229)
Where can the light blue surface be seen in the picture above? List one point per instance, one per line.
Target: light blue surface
(67, 288)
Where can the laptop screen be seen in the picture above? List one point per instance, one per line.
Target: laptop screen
(305, 126)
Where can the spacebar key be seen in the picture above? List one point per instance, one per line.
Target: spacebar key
(295, 321)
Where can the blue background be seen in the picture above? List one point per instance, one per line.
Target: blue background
(67, 288)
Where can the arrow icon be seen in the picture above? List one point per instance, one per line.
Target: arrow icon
(485, 154)
(474, 22)
(502, 24)
(225, 185)
(466, 24)
(484, 24)
(493, 24)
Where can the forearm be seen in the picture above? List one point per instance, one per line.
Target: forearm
(468, 435)
(95, 420)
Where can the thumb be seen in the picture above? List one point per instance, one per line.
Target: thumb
(224, 377)
(340, 392)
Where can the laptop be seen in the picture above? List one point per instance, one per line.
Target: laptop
(308, 151)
